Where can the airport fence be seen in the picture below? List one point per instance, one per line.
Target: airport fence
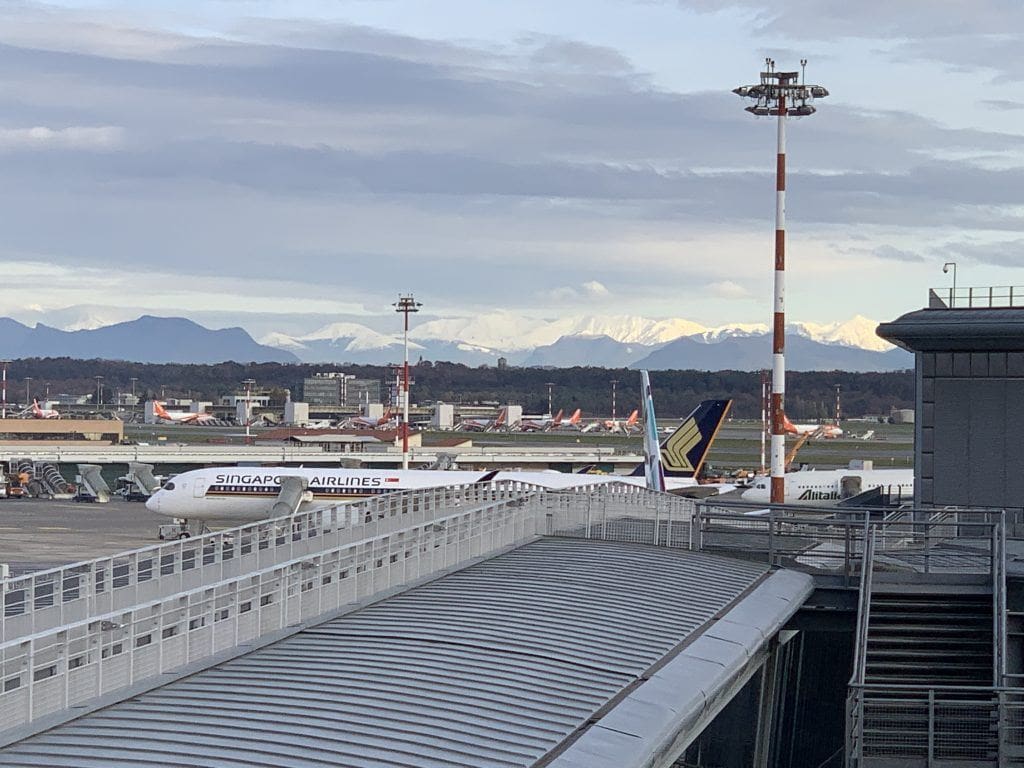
(934, 726)
(77, 636)
(833, 541)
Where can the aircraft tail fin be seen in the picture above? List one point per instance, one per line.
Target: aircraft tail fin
(684, 451)
(653, 470)
(558, 418)
(633, 418)
(575, 418)
(158, 409)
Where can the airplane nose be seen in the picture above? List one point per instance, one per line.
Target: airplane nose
(153, 502)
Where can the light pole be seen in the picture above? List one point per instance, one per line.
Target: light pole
(133, 380)
(945, 271)
(248, 406)
(405, 305)
(99, 392)
(28, 390)
(3, 386)
(551, 410)
(615, 383)
(780, 94)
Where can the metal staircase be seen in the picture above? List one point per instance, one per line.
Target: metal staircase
(929, 680)
(928, 638)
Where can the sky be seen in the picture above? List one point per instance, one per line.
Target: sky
(278, 165)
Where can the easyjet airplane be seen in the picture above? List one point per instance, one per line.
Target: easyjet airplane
(181, 418)
(826, 430)
(43, 413)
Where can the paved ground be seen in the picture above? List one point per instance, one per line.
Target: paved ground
(36, 534)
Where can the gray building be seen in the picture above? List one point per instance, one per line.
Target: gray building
(336, 388)
(970, 387)
(325, 388)
(359, 392)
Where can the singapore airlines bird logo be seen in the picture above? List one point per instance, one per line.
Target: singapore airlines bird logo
(675, 451)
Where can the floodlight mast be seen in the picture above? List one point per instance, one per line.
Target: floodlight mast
(405, 305)
(781, 94)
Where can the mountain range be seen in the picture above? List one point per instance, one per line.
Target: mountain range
(603, 341)
(145, 340)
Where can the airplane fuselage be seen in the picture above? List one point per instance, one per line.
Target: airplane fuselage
(824, 488)
(241, 493)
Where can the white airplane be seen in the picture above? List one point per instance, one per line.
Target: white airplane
(181, 418)
(243, 493)
(825, 430)
(484, 425)
(813, 487)
(615, 425)
(542, 424)
(43, 413)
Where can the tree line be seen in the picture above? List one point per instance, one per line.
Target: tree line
(809, 395)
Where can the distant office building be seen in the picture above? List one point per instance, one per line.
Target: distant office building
(325, 388)
(336, 388)
(502, 363)
(360, 392)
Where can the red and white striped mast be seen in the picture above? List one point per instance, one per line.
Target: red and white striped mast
(405, 305)
(781, 94)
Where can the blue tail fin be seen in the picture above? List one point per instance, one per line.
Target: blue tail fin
(684, 451)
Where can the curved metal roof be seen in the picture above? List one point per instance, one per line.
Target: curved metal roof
(494, 665)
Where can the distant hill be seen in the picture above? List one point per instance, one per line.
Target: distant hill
(145, 340)
(751, 353)
(586, 350)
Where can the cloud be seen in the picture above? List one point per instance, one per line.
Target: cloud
(1001, 254)
(874, 19)
(595, 289)
(727, 289)
(71, 137)
(889, 253)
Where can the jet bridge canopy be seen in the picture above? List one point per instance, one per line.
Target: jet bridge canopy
(504, 663)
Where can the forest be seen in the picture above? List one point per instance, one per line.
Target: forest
(809, 395)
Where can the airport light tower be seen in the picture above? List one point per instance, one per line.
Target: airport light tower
(3, 395)
(782, 95)
(406, 305)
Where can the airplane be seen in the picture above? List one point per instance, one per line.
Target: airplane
(366, 422)
(542, 424)
(243, 493)
(43, 413)
(811, 487)
(179, 417)
(573, 423)
(826, 430)
(615, 425)
(484, 425)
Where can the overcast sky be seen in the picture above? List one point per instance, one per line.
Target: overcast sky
(231, 160)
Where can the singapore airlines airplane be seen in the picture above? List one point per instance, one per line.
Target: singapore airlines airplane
(236, 493)
(813, 487)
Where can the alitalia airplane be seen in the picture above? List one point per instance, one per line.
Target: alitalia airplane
(237, 493)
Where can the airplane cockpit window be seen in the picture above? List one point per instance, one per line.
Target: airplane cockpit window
(169, 487)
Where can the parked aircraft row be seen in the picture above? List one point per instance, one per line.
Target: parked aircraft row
(242, 493)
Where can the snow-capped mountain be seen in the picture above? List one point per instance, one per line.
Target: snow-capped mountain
(602, 340)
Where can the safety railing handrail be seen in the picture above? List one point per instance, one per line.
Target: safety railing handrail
(999, 606)
(864, 606)
(977, 297)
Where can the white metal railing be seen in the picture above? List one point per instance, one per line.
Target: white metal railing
(984, 297)
(83, 631)
(43, 600)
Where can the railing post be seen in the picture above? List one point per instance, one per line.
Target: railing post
(771, 537)
(931, 727)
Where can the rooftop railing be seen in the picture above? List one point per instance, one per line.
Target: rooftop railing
(985, 297)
